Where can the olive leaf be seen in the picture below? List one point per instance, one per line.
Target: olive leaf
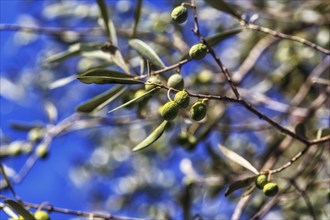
(2, 170)
(137, 15)
(237, 159)
(218, 37)
(103, 76)
(19, 209)
(239, 184)
(61, 82)
(98, 102)
(146, 52)
(116, 56)
(8, 211)
(133, 100)
(152, 137)
(300, 130)
(104, 13)
(73, 50)
(221, 5)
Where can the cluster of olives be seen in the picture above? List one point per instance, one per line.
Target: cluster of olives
(269, 188)
(181, 100)
(179, 15)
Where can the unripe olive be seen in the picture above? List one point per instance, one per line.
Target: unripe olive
(41, 215)
(153, 79)
(198, 111)
(260, 181)
(169, 111)
(176, 81)
(179, 14)
(42, 150)
(35, 134)
(182, 99)
(270, 189)
(198, 51)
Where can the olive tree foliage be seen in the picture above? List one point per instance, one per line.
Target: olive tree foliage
(220, 111)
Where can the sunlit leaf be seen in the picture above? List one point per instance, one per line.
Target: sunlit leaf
(221, 5)
(237, 159)
(98, 102)
(154, 136)
(19, 209)
(146, 52)
(137, 15)
(103, 76)
(116, 56)
(61, 82)
(239, 184)
(133, 100)
(8, 211)
(73, 50)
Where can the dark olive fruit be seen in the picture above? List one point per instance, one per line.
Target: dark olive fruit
(149, 84)
(270, 189)
(260, 181)
(169, 111)
(179, 14)
(182, 99)
(41, 215)
(198, 111)
(198, 51)
(176, 81)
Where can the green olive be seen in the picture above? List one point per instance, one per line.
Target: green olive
(270, 189)
(176, 81)
(169, 111)
(198, 111)
(179, 14)
(182, 99)
(198, 51)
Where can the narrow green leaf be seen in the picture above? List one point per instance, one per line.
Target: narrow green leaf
(239, 184)
(221, 5)
(152, 137)
(19, 209)
(2, 170)
(107, 80)
(103, 76)
(300, 130)
(137, 15)
(73, 50)
(98, 102)
(58, 57)
(237, 159)
(8, 211)
(104, 13)
(133, 100)
(146, 52)
(215, 39)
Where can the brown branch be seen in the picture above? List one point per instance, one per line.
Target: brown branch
(286, 36)
(51, 208)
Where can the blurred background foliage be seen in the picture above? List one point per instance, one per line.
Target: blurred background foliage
(177, 177)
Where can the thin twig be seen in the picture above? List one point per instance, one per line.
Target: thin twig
(286, 36)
